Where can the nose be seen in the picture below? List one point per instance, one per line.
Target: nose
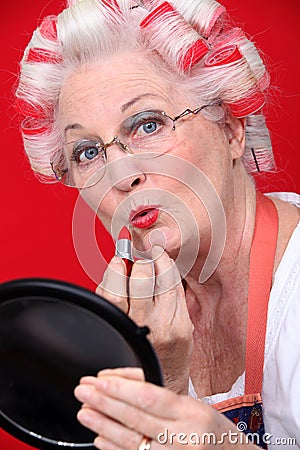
(122, 169)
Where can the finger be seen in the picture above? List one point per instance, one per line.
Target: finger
(155, 400)
(104, 444)
(181, 305)
(132, 373)
(141, 291)
(109, 429)
(114, 284)
(166, 280)
(132, 417)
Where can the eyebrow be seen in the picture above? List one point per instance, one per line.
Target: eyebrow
(73, 126)
(135, 100)
(77, 126)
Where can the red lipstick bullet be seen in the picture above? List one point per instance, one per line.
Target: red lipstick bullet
(124, 248)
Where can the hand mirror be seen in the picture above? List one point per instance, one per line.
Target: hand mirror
(51, 334)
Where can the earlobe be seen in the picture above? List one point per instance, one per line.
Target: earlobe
(235, 132)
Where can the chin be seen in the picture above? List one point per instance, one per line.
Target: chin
(166, 237)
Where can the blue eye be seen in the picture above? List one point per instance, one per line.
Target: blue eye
(149, 127)
(142, 125)
(89, 153)
(86, 151)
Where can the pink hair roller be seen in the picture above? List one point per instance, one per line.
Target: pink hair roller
(205, 16)
(215, 24)
(156, 14)
(223, 55)
(248, 105)
(186, 46)
(41, 55)
(194, 54)
(112, 4)
(233, 36)
(48, 28)
(32, 127)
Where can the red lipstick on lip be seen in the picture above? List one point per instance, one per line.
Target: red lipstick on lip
(124, 249)
(145, 217)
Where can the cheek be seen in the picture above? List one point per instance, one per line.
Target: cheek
(106, 210)
(103, 206)
(209, 152)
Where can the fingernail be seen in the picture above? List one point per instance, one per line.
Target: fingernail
(84, 416)
(99, 442)
(156, 251)
(84, 392)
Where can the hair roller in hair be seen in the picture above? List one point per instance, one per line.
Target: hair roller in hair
(224, 55)
(215, 23)
(48, 29)
(237, 37)
(258, 155)
(32, 127)
(264, 81)
(205, 16)
(233, 36)
(42, 55)
(112, 4)
(249, 104)
(27, 109)
(173, 37)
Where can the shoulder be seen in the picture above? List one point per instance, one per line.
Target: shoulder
(281, 387)
(288, 209)
(288, 197)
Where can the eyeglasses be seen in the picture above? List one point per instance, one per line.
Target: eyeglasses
(146, 134)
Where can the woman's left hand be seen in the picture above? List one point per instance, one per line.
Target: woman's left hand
(121, 408)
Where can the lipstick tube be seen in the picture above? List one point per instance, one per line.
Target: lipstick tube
(124, 249)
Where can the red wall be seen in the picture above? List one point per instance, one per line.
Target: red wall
(36, 239)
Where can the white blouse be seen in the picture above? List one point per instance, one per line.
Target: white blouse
(281, 379)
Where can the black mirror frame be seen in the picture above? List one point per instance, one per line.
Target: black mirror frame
(136, 338)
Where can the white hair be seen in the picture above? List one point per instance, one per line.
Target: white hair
(208, 57)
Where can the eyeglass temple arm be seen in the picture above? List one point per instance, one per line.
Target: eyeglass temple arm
(197, 110)
(57, 172)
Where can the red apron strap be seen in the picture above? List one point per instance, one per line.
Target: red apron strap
(260, 282)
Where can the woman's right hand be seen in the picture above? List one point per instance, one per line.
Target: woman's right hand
(156, 299)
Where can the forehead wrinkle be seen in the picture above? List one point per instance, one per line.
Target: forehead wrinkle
(87, 94)
(134, 82)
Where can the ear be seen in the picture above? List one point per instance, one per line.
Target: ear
(236, 136)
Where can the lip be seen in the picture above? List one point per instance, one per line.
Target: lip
(144, 216)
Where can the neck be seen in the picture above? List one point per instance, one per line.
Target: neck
(232, 270)
(218, 307)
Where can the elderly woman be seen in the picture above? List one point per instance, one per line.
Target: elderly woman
(153, 110)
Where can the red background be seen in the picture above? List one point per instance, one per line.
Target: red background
(36, 220)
